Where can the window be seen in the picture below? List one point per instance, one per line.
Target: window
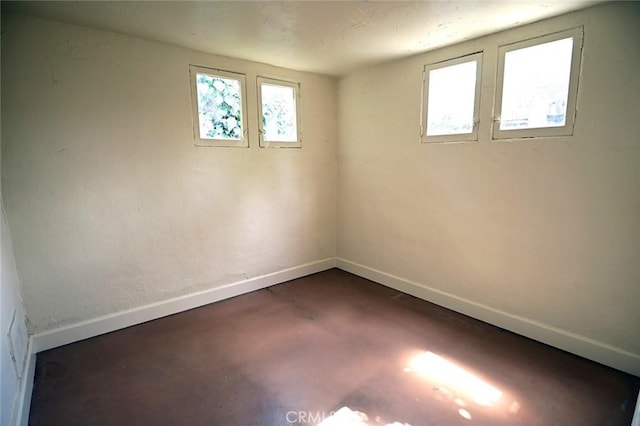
(218, 104)
(452, 95)
(277, 109)
(537, 86)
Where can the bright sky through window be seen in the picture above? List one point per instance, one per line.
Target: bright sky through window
(451, 101)
(536, 86)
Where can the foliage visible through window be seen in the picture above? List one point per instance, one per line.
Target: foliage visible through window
(278, 112)
(537, 86)
(451, 94)
(218, 107)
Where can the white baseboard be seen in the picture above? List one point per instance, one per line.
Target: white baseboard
(579, 345)
(21, 417)
(108, 323)
(562, 339)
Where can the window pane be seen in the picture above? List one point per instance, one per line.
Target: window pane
(279, 113)
(536, 86)
(219, 107)
(451, 100)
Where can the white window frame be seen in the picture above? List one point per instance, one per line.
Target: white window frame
(459, 137)
(260, 80)
(576, 54)
(241, 78)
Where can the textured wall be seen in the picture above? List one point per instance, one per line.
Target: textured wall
(546, 229)
(112, 206)
(13, 340)
(13, 333)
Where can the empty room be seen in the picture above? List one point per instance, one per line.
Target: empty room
(320, 213)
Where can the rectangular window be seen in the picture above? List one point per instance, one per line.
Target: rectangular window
(451, 99)
(278, 112)
(537, 86)
(218, 104)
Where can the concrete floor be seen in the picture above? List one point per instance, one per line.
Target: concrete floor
(296, 352)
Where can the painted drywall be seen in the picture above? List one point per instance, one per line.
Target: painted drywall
(112, 207)
(13, 341)
(543, 229)
(13, 329)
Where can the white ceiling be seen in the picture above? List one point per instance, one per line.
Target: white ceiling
(326, 37)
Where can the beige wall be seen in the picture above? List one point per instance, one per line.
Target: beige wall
(13, 340)
(111, 205)
(13, 329)
(542, 231)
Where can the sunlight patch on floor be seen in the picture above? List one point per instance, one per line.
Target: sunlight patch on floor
(454, 377)
(464, 414)
(469, 394)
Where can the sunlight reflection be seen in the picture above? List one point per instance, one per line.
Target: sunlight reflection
(464, 413)
(439, 369)
(348, 417)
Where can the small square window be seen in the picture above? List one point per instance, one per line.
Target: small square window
(278, 112)
(452, 96)
(537, 86)
(218, 105)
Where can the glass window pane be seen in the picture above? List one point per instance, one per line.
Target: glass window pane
(279, 113)
(451, 100)
(536, 86)
(219, 107)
